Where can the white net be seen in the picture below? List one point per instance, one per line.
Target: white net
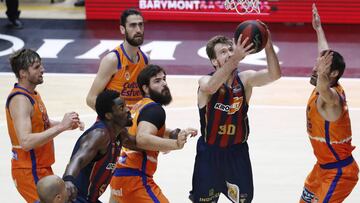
(243, 6)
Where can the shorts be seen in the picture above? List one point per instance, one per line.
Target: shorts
(131, 185)
(25, 180)
(330, 185)
(222, 170)
(82, 199)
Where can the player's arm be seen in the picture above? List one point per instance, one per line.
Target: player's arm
(53, 122)
(107, 68)
(90, 146)
(150, 121)
(146, 139)
(80, 124)
(128, 140)
(262, 77)
(316, 23)
(21, 111)
(327, 95)
(172, 133)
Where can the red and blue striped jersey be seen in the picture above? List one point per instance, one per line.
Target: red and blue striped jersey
(224, 119)
(94, 178)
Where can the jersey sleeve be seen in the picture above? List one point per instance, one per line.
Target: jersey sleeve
(154, 114)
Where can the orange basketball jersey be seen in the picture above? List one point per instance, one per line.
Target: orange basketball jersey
(39, 157)
(124, 81)
(144, 161)
(331, 140)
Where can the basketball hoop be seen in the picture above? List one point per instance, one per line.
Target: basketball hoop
(243, 6)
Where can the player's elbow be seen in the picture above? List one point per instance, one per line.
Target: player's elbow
(276, 75)
(141, 141)
(90, 101)
(144, 141)
(25, 145)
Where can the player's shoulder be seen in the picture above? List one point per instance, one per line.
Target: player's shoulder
(152, 109)
(22, 98)
(98, 136)
(110, 57)
(109, 63)
(153, 105)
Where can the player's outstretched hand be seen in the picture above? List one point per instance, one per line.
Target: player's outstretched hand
(241, 49)
(174, 133)
(183, 134)
(316, 22)
(80, 125)
(70, 121)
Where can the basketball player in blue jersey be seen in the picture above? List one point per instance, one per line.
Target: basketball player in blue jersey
(94, 156)
(222, 163)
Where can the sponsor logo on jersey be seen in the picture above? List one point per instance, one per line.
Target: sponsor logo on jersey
(14, 155)
(111, 166)
(309, 197)
(127, 75)
(122, 159)
(130, 89)
(230, 109)
(102, 189)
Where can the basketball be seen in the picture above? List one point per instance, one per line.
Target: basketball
(256, 32)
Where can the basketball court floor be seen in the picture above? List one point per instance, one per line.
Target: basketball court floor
(279, 148)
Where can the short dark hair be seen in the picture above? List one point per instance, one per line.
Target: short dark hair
(104, 102)
(146, 74)
(22, 60)
(210, 46)
(337, 63)
(127, 13)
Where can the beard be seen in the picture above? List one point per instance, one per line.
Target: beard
(163, 98)
(136, 41)
(36, 80)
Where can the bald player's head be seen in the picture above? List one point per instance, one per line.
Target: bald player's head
(51, 189)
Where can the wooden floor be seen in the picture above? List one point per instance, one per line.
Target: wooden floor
(280, 150)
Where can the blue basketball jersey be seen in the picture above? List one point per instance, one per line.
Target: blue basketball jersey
(224, 119)
(94, 178)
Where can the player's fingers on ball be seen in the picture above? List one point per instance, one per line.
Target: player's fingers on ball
(239, 39)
